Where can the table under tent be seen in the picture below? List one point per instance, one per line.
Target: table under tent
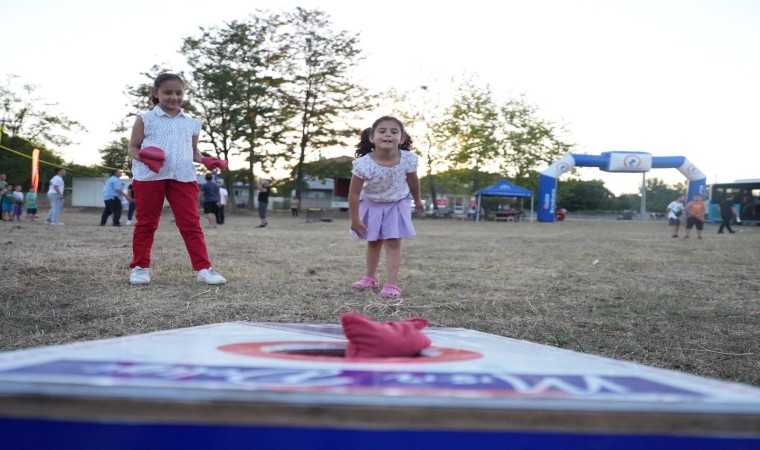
(504, 189)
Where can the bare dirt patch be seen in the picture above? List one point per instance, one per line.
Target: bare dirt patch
(621, 289)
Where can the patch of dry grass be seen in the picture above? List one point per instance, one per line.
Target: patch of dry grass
(686, 305)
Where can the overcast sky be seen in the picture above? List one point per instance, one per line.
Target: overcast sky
(668, 77)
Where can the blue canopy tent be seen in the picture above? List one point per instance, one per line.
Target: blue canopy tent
(504, 189)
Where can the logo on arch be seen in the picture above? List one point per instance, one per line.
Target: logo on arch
(562, 167)
(632, 161)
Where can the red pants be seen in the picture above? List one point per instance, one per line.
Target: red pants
(149, 202)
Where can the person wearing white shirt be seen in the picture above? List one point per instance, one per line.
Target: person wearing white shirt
(55, 197)
(675, 210)
(223, 194)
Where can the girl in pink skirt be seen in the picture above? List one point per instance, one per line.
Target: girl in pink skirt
(384, 180)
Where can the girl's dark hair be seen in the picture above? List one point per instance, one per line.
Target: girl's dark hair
(365, 146)
(407, 143)
(161, 79)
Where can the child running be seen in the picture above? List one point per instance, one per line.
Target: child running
(170, 175)
(384, 179)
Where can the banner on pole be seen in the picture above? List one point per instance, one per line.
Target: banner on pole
(35, 168)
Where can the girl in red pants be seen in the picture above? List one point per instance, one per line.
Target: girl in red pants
(168, 174)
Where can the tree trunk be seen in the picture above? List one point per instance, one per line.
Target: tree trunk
(299, 168)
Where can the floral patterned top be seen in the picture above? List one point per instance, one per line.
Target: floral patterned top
(385, 184)
(174, 135)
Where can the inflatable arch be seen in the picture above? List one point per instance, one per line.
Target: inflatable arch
(612, 162)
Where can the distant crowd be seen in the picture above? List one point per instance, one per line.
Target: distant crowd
(16, 203)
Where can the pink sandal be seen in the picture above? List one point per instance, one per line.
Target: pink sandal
(390, 291)
(365, 283)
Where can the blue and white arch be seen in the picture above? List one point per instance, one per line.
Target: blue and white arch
(612, 162)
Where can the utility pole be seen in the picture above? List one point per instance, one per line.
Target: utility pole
(643, 196)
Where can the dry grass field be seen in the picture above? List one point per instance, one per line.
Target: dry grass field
(621, 289)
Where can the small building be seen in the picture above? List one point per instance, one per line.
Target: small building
(88, 192)
(318, 193)
(329, 191)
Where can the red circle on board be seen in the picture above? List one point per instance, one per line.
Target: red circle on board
(326, 351)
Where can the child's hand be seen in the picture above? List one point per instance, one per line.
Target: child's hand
(358, 229)
(418, 205)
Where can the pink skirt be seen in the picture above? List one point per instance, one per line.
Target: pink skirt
(391, 220)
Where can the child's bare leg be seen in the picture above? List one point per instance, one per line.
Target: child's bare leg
(392, 259)
(373, 257)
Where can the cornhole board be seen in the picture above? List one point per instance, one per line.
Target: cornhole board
(244, 385)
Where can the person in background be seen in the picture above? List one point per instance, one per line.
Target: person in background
(112, 193)
(294, 206)
(695, 216)
(727, 214)
(7, 203)
(31, 204)
(223, 194)
(131, 207)
(124, 202)
(55, 197)
(384, 180)
(265, 186)
(170, 130)
(675, 210)
(209, 194)
(18, 203)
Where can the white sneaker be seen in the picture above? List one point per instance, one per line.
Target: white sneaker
(57, 223)
(129, 222)
(210, 276)
(139, 276)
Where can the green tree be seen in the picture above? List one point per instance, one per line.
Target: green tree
(527, 141)
(659, 194)
(23, 113)
(240, 90)
(116, 154)
(460, 181)
(17, 164)
(420, 112)
(626, 201)
(579, 195)
(321, 88)
(469, 130)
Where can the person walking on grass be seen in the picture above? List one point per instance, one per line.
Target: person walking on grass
(163, 147)
(131, 206)
(675, 210)
(55, 197)
(727, 214)
(384, 179)
(223, 196)
(210, 197)
(265, 186)
(695, 216)
(112, 193)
